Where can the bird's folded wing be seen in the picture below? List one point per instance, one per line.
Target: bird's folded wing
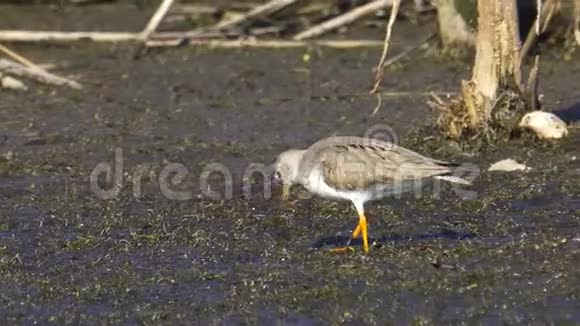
(351, 165)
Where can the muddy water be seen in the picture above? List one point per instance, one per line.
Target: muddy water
(510, 254)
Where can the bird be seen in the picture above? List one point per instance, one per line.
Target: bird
(359, 169)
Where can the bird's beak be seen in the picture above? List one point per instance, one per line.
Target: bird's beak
(285, 191)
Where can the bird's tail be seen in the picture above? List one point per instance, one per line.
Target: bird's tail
(459, 173)
(453, 179)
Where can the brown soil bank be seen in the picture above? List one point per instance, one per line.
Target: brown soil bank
(508, 252)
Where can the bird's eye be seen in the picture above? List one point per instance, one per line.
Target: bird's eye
(277, 175)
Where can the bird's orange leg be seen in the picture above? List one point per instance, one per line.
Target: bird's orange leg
(362, 223)
(360, 228)
(356, 231)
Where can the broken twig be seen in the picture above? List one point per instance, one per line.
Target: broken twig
(344, 19)
(260, 11)
(532, 86)
(381, 66)
(14, 68)
(276, 44)
(396, 58)
(57, 36)
(156, 19)
(182, 37)
(18, 57)
(543, 18)
(410, 49)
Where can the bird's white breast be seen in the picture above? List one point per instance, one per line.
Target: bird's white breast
(315, 184)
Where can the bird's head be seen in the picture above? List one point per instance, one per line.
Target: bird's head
(286, 169)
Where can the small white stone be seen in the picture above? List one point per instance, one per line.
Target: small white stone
(508, 165)
(12, 83)
(544, 124)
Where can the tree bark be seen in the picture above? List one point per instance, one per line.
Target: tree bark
(577, 21)
(497, 60)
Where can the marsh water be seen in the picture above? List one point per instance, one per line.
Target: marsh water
(507, 253)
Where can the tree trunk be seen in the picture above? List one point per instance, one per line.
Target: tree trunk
(497, 60)
(494, 100)
(577, 21)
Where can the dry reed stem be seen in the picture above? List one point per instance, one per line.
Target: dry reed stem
(380, 68)
(344, 19)
(156, 19)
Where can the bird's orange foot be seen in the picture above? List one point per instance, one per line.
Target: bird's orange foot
(360, 228)
(342, 250)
